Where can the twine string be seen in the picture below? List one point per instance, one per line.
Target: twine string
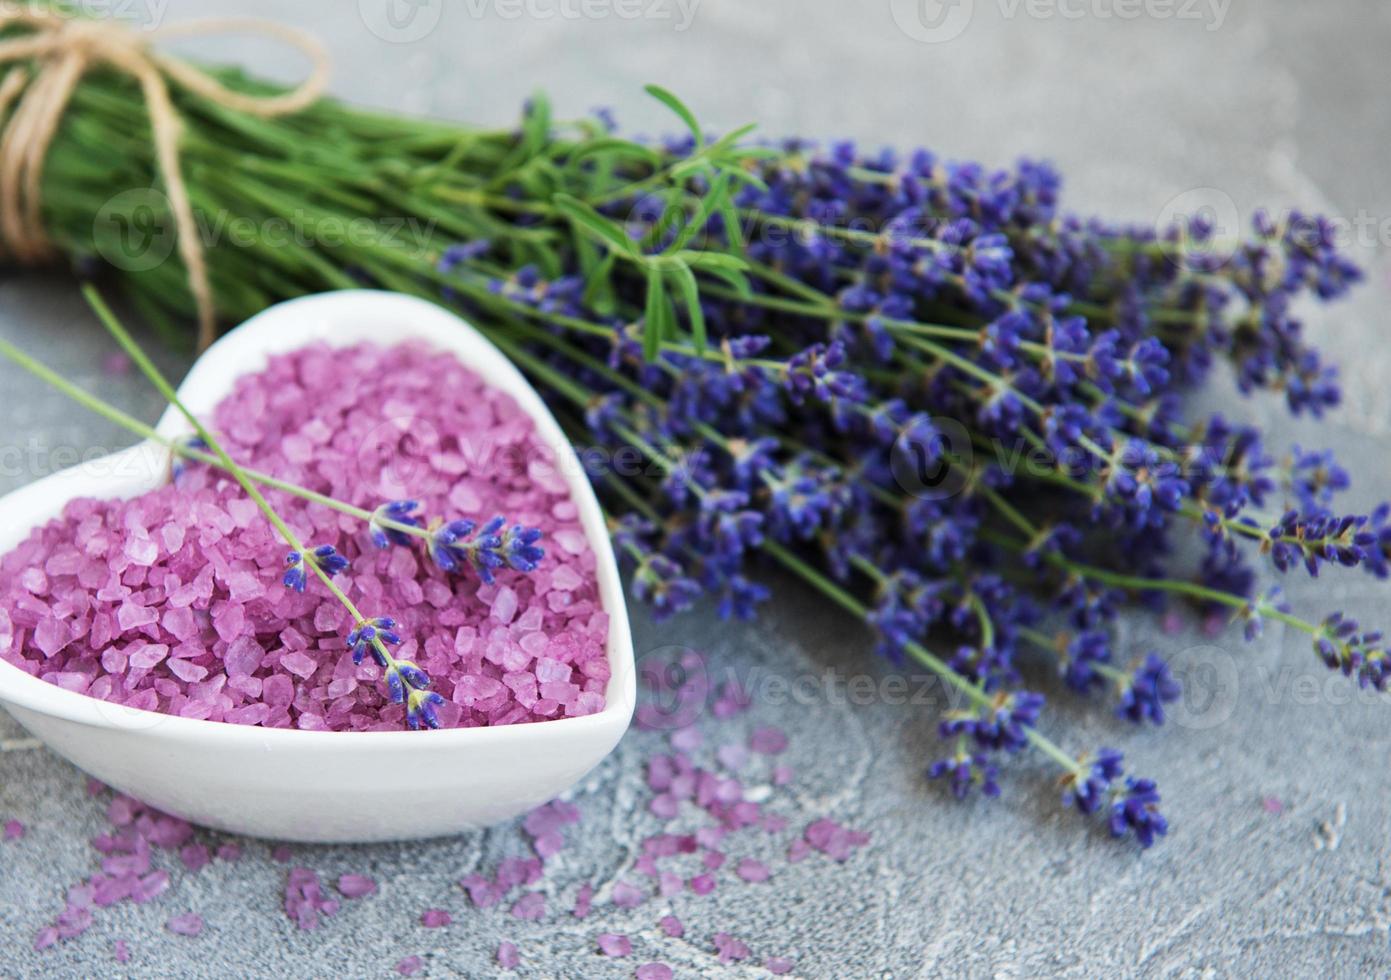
(63, 49)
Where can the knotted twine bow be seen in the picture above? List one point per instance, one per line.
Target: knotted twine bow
(65, 49)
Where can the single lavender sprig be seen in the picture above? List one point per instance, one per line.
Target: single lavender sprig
(405, 681)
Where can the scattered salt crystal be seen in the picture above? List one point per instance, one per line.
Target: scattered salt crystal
(612, 944)
(410, 966)
(654, 971)
(752, 871)
(703, 884)
(13, 830)
(583, 898)
(768, 740)
(507, 956)
(732, 756)
(729, 948)
(356, 886)
(188, 924)
(531, 906)
(435, 918)
(626, 895)
(777, 965)
(194, 856)
(120, 951)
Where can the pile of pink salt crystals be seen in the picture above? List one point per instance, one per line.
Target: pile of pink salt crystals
(172, 601)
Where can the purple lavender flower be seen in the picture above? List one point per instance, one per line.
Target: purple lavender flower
(487, 549)
(1150, 688)
(324, 557)
(397, 512)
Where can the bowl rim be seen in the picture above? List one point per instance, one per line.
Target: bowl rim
(253, 342)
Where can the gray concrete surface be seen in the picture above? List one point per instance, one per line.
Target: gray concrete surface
(1277, 102)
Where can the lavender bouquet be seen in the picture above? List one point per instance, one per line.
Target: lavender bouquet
(916, 385)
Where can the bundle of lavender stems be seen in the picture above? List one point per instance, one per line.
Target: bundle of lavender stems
(917, 386)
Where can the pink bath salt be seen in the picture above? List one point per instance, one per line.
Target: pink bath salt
(732, 756)
(188, 924)
(626, 895)
(504, 605)
(730, 950)
(833, 840)
(665, 806)
(147, 655)
(278, 690)
(482, 891)
(120, 951)
(530, 907)
(299, 664)
(435, 918)
(612, 944)
(768, 740)
(243, 656)
(14, 830)
(703, 884)
(356, 886)
(671, 926)
(507, 956)
(410, 966)
(566, 579)
(195, 857)
(687, 739)
(172, 601)
(186, 671)
(752, 871)
(654, 971)
(228, 852)
(777, 965)
(583, 899)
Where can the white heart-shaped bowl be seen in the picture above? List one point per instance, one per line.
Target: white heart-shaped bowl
(322, 786)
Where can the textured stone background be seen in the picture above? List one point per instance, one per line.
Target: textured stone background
(1277, 102)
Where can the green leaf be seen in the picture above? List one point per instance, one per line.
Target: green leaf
(716, 197)
(737, 280)
(711, 260)
(584, 216)
(690, 293)
(678, 107)
(614, 146)
(733, 227)
(536, 128)
(599, 294)
(728, 140)
(655, 325)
